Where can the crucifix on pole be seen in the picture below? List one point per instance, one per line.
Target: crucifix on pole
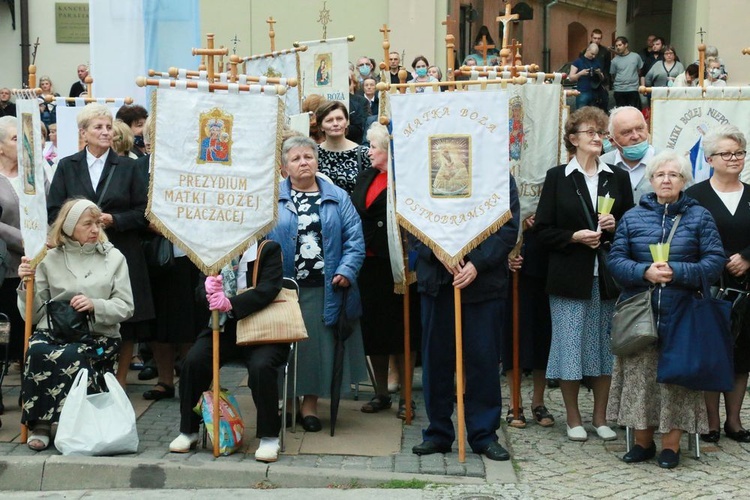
(450, 28)
(324, 18)
(505, 19)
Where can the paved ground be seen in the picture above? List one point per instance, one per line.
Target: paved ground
(545, 464)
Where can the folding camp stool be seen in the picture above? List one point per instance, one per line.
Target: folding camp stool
(694, 443)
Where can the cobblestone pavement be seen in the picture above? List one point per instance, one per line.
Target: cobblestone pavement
(546, 464)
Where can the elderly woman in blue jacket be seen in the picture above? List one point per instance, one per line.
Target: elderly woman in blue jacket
(636, 399)
(323, 249)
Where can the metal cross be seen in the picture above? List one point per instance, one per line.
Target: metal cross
(324, 18)
(234, 43)
(701, 33)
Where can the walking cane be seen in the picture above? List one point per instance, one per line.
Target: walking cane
(28, 318)
(516, 389)
(459, 376)
(217, 384)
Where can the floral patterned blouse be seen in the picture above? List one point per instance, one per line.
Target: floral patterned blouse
(342, 166)
(308, 257)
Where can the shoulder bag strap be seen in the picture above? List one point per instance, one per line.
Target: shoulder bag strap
(674, 227)
(256, 265)
(106, 185)
(583, 204)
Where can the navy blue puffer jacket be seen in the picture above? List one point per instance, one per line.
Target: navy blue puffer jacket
(695, 250)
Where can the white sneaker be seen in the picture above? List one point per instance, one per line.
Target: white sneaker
(606, 433)
(577, 433)
(184, 443)
(268, 451)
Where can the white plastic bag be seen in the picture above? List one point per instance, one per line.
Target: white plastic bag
(96, 424)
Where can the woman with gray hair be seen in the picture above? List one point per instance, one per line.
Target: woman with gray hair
(728, 200)
(382, 309)
(636, 399)
(321, 240)
(115, 184)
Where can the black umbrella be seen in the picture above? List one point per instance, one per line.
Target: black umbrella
(342, 332)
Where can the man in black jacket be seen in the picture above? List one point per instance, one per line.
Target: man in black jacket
(482, 277)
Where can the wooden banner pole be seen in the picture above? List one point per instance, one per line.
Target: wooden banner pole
(142, 81)
(29, 319)
(217, 382)
(516, 389)
(460, 377)
(271, 33)
(407, 356)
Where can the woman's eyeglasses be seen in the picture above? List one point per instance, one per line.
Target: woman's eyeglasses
(591, 132)
(726, 155)
(672, 176)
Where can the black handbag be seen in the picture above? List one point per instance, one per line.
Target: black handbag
(158, 252)
(740, 300)
(65, 323)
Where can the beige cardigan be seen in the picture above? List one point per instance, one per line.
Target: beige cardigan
(96, 270)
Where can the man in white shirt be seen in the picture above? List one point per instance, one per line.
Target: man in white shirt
(628, 133)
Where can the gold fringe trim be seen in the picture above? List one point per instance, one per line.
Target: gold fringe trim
(440, 253)
(300, 90)
(34, 261)
(215, 267)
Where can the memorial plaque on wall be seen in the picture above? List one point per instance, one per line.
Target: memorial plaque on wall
(72, 22)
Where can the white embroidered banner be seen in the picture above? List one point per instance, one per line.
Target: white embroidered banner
(680, 117)
(214, 176)
(452, 186)
(325, 69)
(280, 65)
(536, 125)
(32, 200)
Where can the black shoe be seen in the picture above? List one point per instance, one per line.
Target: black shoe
(311, 423)
(156, 394)
(640, 454)
(148, 373)
(495, 451)
(741, 436)
(669, 459)
(429, 448)
(711, 437)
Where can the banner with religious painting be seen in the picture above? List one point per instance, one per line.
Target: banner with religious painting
(681, 116)
(32, 199)
(325, 69)
(280, 64)
(452, 188)
(214, 175)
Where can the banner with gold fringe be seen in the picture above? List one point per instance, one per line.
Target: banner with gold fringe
(452, 185)
(325, 69)
(281, 64)
(214, 175)
(32, 198)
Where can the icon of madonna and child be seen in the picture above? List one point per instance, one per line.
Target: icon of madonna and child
(450, 166)
(215, 137)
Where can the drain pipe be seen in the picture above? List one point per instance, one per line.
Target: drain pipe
(546, 50)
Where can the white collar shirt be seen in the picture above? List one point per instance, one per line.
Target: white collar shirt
(96, 166)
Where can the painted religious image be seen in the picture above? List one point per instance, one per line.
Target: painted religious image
(517, 136)
(29, 177)
(323, 70)
(450, 166)
(215, 137)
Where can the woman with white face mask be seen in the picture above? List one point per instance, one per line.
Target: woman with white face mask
(713, 73)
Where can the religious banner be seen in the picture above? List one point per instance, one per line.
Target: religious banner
(325, 69)
(213, 191)
(452, 188)
(681, 116)
(32, 199)
(536, 123)
(282, 64)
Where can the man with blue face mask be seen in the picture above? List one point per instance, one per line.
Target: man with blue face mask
(364, 69)
(628, 138)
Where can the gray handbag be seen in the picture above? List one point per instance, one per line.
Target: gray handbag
(633, 325)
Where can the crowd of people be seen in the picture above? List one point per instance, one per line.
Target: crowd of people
(331, 237)
(599, 70)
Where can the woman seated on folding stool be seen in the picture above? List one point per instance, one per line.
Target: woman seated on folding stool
(262, 361)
